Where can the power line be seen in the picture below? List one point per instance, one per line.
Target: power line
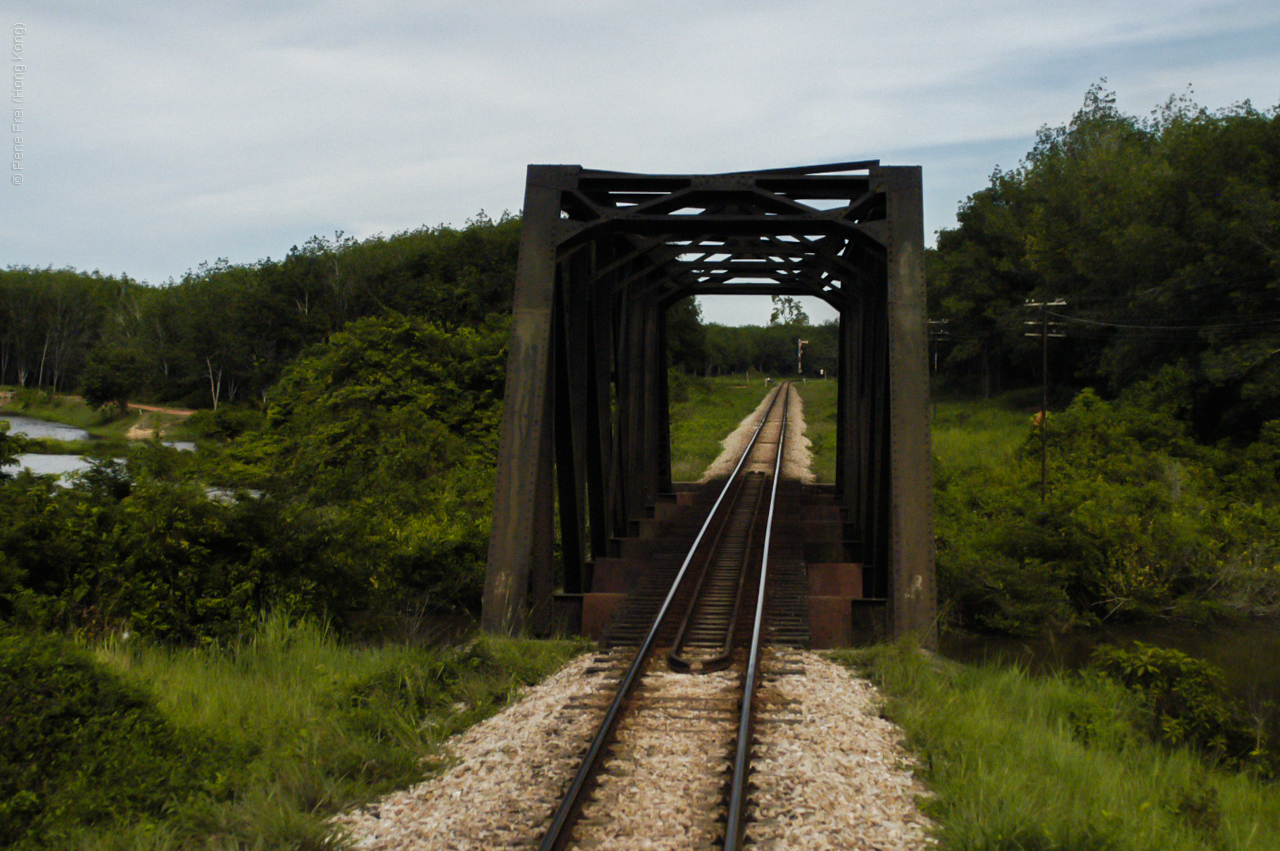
(1253, 324)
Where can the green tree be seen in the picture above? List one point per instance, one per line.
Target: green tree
(978, 281)
(112, 376)
(787, 311)
(686, 336)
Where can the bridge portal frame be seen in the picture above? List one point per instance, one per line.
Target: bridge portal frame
(585, 432)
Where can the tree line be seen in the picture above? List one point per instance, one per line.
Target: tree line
(1161, 235)
(225, 332)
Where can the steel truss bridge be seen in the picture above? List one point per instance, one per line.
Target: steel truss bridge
(585, 431)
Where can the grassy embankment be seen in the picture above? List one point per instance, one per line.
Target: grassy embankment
(710, 410)
(819, 399)
(275, 735)
(967, 435)
(1022, 763)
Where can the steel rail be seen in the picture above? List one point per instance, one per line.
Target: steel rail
(675, 659)
(735, 825)
(723, 657)
(557, 835)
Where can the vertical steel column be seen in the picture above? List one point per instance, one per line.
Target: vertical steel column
(912, 586)
(877, 483)
(662, 420)
(599, 447)
(631, 380)
(844, 401)
(570, 422)
(654, 367)
(520, 541)
(852, 415)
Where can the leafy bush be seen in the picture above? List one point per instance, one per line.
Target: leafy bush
(118, 551)
(1185, 700)
(10, 447)
(224, 423)
(374, 469)
(81, 747)
(380, 446)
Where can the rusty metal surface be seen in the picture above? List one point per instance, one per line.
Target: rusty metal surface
(603, 254)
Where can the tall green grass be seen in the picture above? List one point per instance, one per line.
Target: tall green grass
(69, 411)
(299, 725)
(1018, 763)
(978, 434)
(711, 408)
(819, 399)
(967, 435)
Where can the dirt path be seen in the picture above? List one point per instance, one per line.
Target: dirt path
(177, 412)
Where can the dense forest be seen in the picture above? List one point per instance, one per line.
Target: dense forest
(1160, 235)
(224, 333)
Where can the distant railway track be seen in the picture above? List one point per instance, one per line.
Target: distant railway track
(685, 732)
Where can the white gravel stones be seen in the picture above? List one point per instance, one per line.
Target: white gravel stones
(662, 786)
(795, 462)
(830, 773)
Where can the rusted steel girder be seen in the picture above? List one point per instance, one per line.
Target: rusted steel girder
(585, 426)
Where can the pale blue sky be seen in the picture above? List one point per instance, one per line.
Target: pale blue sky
(159, 135)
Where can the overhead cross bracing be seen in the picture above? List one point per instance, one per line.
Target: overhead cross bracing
(585, 430)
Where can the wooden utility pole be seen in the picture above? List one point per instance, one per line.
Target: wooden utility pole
(1044, 335)
(937, 333)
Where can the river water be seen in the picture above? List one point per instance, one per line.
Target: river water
(57, 465)
(28, 427)
(51, 465)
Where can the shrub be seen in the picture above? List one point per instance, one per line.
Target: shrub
(225, 423)
(10, 446)
(1185, 701)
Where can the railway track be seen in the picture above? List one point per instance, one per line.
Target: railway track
(682, 722)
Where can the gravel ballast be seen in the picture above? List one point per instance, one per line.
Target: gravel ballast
(830, 773)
